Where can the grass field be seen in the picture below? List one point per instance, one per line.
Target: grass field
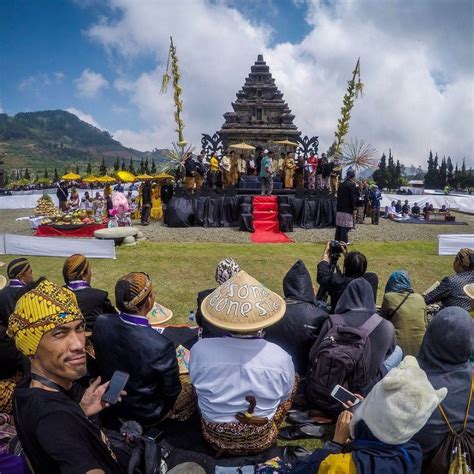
(181, 270)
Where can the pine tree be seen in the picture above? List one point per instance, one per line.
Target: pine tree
(398, 174)
(45, 174)
(442, 173)
(117, 164)
(153, 166)
(131, 167)
(380, 176)
(431, 174)
(449, 168)
(27, 174)
(56, 175)
(142, 166)
(103, 168)
(147, 171)
(391, 171)
(77, 169)
(89, 168)
(123, 167)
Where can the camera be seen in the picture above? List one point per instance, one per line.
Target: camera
(335, 249)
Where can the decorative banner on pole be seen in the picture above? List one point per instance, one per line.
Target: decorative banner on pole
(353, 90)
(177, 90)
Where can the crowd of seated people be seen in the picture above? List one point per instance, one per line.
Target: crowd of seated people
(256, 359)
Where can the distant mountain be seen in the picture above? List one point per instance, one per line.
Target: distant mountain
(56, 138)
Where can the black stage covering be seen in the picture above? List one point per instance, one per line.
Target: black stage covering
(217, 209)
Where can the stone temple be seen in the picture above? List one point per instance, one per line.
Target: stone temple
(260, 114)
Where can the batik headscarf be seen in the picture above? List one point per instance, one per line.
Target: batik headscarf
(39, 311)
(17, 267)
(464, 260)
(226, 269)
(75, 267)
(131, 292)
(399, 282)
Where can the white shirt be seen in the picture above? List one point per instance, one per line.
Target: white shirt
(225, 370)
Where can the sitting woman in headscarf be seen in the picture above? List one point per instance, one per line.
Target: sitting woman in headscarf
(381, 428)
(444, 356)
(406, 310)
(450, 291)
(356, 306)
(91, 301)
(74, 200)
(225, 269)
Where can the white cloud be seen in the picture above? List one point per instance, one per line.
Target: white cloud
(90, 83)
(85, 117)
(39, 80)
(59, 76)
(416, 64)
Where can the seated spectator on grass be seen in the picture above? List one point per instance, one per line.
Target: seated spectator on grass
(406, 208)
(450, 291)
(391, 211)
(406, 310)
(243, 383)
(128, 343)
(355, 266)
(51, 417)
(92, 302)
(415, 210)
(356, 306)
(398, 207)
(20, 275)
(300, 326)
(444, 356)
(378, 437)
(225, 269)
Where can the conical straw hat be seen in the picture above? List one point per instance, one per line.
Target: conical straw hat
(242, 304)
(469, 290)
(159, 315)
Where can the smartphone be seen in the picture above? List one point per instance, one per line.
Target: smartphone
(116, 385)
(343, 395)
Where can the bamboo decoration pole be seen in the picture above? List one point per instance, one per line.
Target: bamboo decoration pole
(353, 90)
(177, 90)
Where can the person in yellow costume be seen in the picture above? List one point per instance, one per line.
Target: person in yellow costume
(289, 170)
(156, 208)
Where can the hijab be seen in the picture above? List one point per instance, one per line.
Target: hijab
(444, 356)
(371, 455)
(357, 297)
(399, 282)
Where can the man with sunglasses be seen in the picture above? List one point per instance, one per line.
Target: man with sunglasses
(128, 343)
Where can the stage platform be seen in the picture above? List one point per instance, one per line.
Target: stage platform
(234, 208)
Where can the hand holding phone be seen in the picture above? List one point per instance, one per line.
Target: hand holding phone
(343, 395)
(116, 385)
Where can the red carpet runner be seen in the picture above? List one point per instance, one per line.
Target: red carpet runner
(265, 221)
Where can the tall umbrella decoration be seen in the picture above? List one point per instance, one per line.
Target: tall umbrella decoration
(180, 150)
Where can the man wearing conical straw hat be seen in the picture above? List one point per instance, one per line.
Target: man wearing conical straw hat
(244, 384)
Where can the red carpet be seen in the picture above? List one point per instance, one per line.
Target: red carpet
(265, 221)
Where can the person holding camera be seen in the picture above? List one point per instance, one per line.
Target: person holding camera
(332, 281)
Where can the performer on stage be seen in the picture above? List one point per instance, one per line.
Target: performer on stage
(190, 172)
(241, 166)
(311, 168)
(266, 173)
(299, 172)
(201, 172)
(289, 170)
(213, 170)
(252, 166)
(226, 168)
(334, 177)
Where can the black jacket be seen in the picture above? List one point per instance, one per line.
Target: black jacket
(93, 302)
(8, 298)
(356, 306)
(150, 360)
(335, 283)
(166, 193)
(208, 330)
(300, 326)
(347, 197)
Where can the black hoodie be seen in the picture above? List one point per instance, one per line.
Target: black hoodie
(300, 326)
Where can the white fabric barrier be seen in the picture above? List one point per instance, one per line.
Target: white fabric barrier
(2, 244)
(451, 244)
(56, 246)
(461, 203)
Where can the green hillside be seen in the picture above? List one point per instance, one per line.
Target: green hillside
(56, 138)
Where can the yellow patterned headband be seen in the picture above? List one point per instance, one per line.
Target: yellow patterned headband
(40, 310)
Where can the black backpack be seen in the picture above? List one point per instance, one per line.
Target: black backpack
(343, 358)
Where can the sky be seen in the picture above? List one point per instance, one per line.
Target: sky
(103, 60)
